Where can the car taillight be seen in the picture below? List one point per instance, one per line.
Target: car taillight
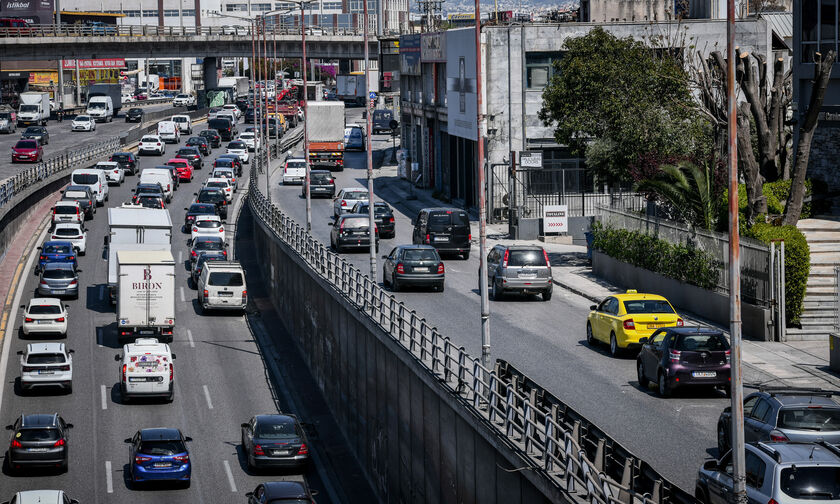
(680, 322)
(64, 368)
(440, 268)
(158, 144)
(674, 355)
(258, 450)
(192, 252)
(778, 436)
(221, 230)
(628, 324)
(547, 262)
(28, 369)
(390, 219)
(123, 372)
(43, 282)
(400, 268)
(224, 253)
(139, 459)
(60, 319)
(303, 450)
(58, 443)
(729, 356)
(167, 187)
(73, 282)
(505, 263)
(53, 211)
(43, 258)
(343, 203)
(16, 444)
(195, 230)
(428, 239)
(27, 319)
(72, 258)
(182, 458)
(171, 373)
(206, 293)
(244, 294)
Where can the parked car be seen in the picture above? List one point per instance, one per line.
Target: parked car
(413, 265)
(159, 454)
(446, 229)
(44, 316)
(36, 133)
(127, 160)
(347, 199)
(351, 231)
(135, 114)
(73, 232)
(383, 216)
(55, 251)
(46, 365)
(39, 440)
(274, 441)
(83, 196)
(200, 143)
(83, 123)
(279, 492)
(212, 136)
(524, 269)
(151, 144)
(27, 151)
(321, 183)
(622, 320)
(785, 414)
(680, 357)
(59, 279)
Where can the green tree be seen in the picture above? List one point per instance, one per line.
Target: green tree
(689, 191)
(631, 99)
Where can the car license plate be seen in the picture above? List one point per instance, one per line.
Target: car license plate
(441, 238)
(44, 321)
(655, 326)
(146, 332)
(163, 464)
(281, 452)
(46, 371)
(421, 270)
(58, 291)
(141, 379)
(36, 450)
(704, 374)
(227, 294)
(527, 275)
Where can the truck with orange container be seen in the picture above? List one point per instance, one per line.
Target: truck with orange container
(325, 128)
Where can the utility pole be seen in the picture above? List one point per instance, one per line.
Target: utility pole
(482, 200)
(368, 142)
(59, 100)
(267, 138)
(739, 488)
(305, 121)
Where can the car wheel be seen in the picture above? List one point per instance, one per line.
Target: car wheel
(590, 338)
(640, 373)
(701, 496)
(385, 282)
(546, 295)
(395, 285)
(440, 287)
(69, 388)
(614, 348)
(664, 388)
(495, 293)
(466, 255)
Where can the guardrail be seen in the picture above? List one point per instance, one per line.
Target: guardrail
(73, 30)
(66, 160)
(553, 449)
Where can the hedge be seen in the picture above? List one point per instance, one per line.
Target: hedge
(797, 263)
(680, 262)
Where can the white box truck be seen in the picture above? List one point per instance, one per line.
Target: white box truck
(238, 86)
(146, 294)
(135, 229)
(352, 89)
(34, 109)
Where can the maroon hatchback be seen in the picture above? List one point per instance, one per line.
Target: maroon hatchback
(676, 357)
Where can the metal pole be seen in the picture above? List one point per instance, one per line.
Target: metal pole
(380, 18)
(482, 200)
(369, 141)
(59, 100)
(265, 88)
(737, 426)
(78, 85)
(305, 121)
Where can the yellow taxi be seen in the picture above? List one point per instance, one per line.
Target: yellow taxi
(621, 319)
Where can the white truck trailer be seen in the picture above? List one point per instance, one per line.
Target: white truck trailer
(135, 229)
(146, 294)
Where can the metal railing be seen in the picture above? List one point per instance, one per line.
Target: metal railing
(66, 160)
(837, 299)
(74, 30)
(551, 448)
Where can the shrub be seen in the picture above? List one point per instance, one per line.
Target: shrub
(797, 263)
(680, 262)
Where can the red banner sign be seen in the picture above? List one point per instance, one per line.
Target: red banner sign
(70, 64)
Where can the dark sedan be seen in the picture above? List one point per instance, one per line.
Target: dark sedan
(203, 244)
(322, 184)
(274, 441)
(413, 265)
(149, 201)
(38, 441)
(153, 188)
(127, 160)
(37, 133)
(383, 216)
(193, 155)
(676, 357)
(83, 196)
(215, 197)
(200, 143)
(237, 163)
(351, 231)
(279, 492)
(134, 115)
(212, 137)
(195, 210)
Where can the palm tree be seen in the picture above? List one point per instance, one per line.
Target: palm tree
(688, 189)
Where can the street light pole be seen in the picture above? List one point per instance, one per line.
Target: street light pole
(305, 121)
(368, 141)
(265, 144)
(482, 200)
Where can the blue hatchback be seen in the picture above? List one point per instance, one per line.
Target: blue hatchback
(56, 252)
(159, 454)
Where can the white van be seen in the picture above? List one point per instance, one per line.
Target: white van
(161, 176)
(221, 286)
(146, 370)
(169, 132)
(184, 123)
(101, 108)
(93, 178)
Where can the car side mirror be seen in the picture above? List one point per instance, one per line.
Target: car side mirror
(20, 352)
(10, 427)
(710, 465)
(117, 358)
(23, 306)
(69, 426)
(594, 307)
(67, 307)
(127, 440)
(643, 340)
(249, 494)
(174, 357)
(244, 425)
(78, 270)
(39, 248)
(194, 194)
(74, 501)
(187, 439)
(384, 257)
(727, 409)
(71, 351)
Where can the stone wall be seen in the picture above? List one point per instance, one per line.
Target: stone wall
(825, 151)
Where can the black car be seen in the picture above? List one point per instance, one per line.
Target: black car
(251, 116)
(242, 104)
(149, 200)
(446, 229)
(149, 188)
(203, 257)
(275, 128)
(274, 441)
(127, 160)
(82, 195)
(383, 216)
(38, 133)
(237, 163)
(413, 265)
(351, 231)
(227, 130)
(212, 136)
(195, 210)
(203, 244)
(215, 197)
(134, 115)
(38, 441)
(278, 492)
(193, 155)
(200, 143)
(321, 183)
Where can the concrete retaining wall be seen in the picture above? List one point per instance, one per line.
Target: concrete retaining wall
(415, 441)
(710, 305)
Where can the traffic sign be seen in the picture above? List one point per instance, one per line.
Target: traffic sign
(373, 95)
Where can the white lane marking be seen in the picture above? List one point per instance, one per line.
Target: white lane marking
(180, 256)
(207, 397)
(183, 298)
(109, 478)
(189, 337)
(101, 292)
(104, 395)
(228, 472)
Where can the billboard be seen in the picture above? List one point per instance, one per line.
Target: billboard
(86, 64)
(410, 54)
(433, 47)
(461, 98)
(31, 11)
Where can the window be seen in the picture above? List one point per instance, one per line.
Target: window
(749, 404)
(754, 468)
(539, 68)
(236, 7)
(150, 13)
(264, 7)
(762, 410)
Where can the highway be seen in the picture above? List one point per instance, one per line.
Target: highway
(544, 340)
(62, 138)
(223, 376)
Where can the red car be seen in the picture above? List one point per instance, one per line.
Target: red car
(27, 150)
(183, 167)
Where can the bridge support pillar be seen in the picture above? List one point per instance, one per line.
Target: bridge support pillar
(211, 72)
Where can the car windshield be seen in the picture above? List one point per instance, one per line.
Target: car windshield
(420, 255)
(44, 309)
(526, 258)
(186, 152)
(56, 249)
(219, 124)
(217, 184)
(26, 144)
(75, 195)
(160, 448)
(810, 418)
(148, 139)
(209, 245)
(208, 224)
(82, 119)
(355, 222)
(121, 157)
(67, 232)
(647, 306)
(182, 96)
(149, 202)
(45, 358)
(224, 162)
(356, 195)
(439, 220)
(701, 342)
(32, 130)
(37, 435)
(29, 108)
(65, 209)
(208, 133)
(222, 174)
(300, 164)
(179, 119)
(812, 483)
(210, 196)
(236, 145)
(249, 136)
(276, 429)
(320, 177)
(58, 274)
(202, 209)
(288, 501)
(85, 178)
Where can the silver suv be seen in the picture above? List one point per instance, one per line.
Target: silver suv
(518, 268)
(785, 414)
(784, 473)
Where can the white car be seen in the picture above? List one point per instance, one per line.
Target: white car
(347, 199)
(146, 370)
(251, 140)
(183, 100)
(128, 98)
(83, 123)
(151, 144)
(44, 316)
(73, 232)
(234, 30)
(42, 497)
(207, 225)
(239, 148)
(46, 365)
(184, 123)
(67, 211)
(224, 172)
(223, 184)
(113, 171)
(294, 171)
(233, 108)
